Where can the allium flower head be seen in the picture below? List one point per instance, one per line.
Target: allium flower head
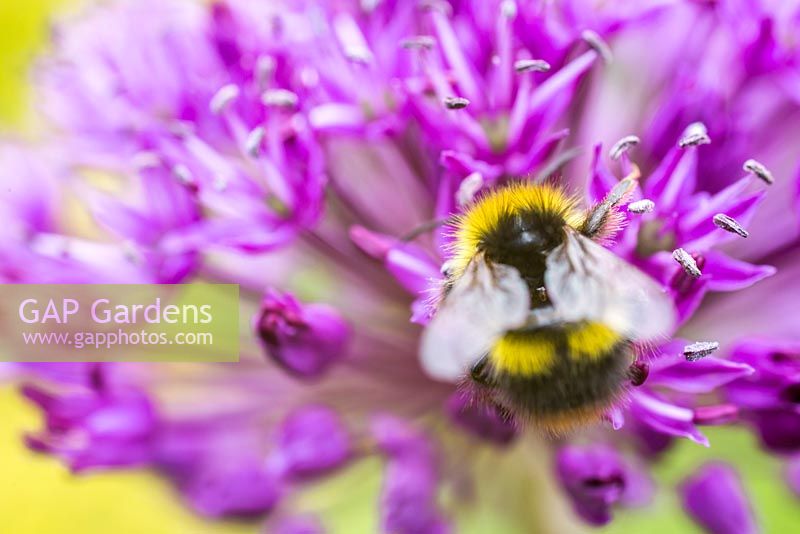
(318, 153)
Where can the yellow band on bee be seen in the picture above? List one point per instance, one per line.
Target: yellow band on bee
(523, 354)
(590, 340)
(530, 353)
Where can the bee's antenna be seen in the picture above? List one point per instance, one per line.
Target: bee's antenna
(427, 227)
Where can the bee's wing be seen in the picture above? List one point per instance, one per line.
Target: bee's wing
(585, 281)
(484, 302)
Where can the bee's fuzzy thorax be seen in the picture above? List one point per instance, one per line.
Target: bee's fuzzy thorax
(548, 204)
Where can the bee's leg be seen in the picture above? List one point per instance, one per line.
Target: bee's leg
(637, 373)
(479, 372)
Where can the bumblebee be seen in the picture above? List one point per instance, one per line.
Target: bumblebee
(536, 312)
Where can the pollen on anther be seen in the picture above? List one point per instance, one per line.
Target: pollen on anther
(531, 65)
(223, 98)
(455, 102)
(598, 44)
(759, 170)
(687, 262)
(182, 173)
(729, 224)
(418, 42)
(282, 98)
(622, 146)
(699, 350)
(642, 206)
(695, 134)
(254, 140)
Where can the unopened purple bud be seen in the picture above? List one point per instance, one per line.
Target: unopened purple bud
(232, 486)
(395, 437)
(714, 497)
(594, 478)
(311, 441)
(304, 339)
(793, 475)
(410, 484)
(408, 498)
(93, 428)
(482, 420)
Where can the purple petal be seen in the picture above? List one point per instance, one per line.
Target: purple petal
(412, 267)
(701, 376)
(601, 180)
(727, 274)
(715, 499)
(665, 417)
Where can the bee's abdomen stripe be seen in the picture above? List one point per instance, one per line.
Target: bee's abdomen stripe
(570, 383)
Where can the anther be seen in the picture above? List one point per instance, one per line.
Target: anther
(622, 146)
(508, 9)
(758, 169)
(642, 206)
(455, 102)
(699, 350)
(282, 98)
(223, 98)
(182, 173)
(436, 6)
(695, 134)
(254, 139)
(687, 262)
(469, 188)
(265, 68)
(357, 55)
(220, 183)
(418, 42)
(531, 65)
(369, 5)
(598, 44)
(729, 224)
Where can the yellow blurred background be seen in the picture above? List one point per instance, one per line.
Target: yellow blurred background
(37, 495)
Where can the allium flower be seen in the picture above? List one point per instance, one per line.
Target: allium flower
(312, 152)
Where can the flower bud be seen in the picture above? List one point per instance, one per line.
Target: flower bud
(596, 478)
(715, 499)
(311, 441)
(303, 339)
(230, 485)
(88, 428)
